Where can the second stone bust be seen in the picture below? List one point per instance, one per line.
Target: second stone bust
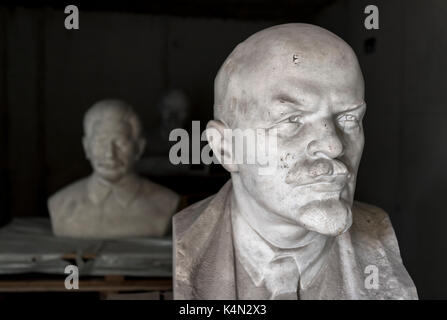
(113, 202)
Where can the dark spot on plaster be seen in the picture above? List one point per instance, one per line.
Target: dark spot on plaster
(295, 59)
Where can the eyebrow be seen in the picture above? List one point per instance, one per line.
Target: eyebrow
(354, 107)
(286, 98)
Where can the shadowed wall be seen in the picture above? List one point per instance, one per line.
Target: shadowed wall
(49, 76)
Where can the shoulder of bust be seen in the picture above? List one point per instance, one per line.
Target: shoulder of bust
(150, 187)
(72, 192)
(184, 219)
(210, 208)
(153, 192)
(375, 243)
(373, 225)
(367, 216)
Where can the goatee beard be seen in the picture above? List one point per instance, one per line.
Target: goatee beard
(329, 217)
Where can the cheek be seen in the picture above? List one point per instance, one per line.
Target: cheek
(96, 153)
(354, 148)
(261, 187)
(127, 158)
(290, 154)
(270, 189)
(126, 151)
(286, 160)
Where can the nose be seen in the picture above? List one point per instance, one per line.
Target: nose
(328, 142)
(110, 150)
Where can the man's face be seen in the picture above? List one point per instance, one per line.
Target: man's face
(318, 117)
(111, 149)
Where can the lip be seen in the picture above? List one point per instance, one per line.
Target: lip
(328, 183)
(327, 186)
(109, 166)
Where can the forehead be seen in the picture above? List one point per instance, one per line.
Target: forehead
(313, 91)
(317, 71)
(277, 93)
(311, 67)
(111, 126)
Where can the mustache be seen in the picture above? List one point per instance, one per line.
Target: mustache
(317, 171)
(110, 163)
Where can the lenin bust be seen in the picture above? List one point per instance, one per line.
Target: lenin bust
(296, 233)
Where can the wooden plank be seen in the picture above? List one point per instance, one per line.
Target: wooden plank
(106, 285)
(154, 295)
(73, 256)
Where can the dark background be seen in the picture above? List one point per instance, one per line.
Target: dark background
(49, 76)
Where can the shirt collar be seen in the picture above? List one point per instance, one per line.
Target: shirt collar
(257, 254)
(124, 191)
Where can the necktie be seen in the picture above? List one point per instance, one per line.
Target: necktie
(281, 278)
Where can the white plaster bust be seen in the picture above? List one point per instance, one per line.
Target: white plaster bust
(297, 233)
(113, 201)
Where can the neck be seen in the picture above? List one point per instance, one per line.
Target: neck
(121, 180)
(277, 230)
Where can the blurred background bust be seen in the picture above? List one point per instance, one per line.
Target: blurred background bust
(174, 108)
(173, 111)
(113, 201)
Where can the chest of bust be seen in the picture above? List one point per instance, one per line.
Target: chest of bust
(110, 218)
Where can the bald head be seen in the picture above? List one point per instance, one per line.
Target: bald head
(311, 57)
(113, 140)
(113, 111)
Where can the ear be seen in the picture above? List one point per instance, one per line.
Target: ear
(85, 144)
(221, 144)
(141, 144)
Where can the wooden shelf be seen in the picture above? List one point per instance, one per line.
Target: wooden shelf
(102, 284)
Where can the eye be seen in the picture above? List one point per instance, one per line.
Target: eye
(289, 126)
(121, 143)
(348, 121)
(295, 119)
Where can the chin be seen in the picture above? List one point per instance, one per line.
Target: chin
(328, 217)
